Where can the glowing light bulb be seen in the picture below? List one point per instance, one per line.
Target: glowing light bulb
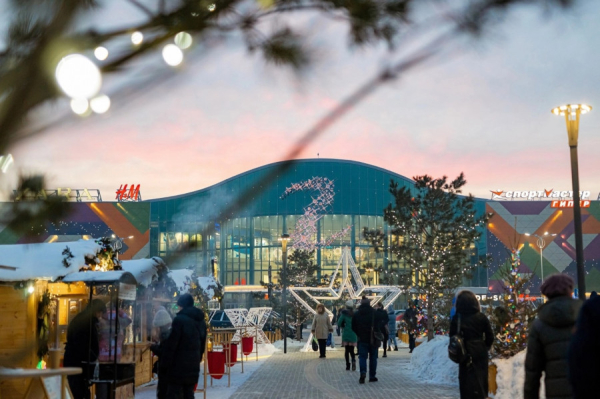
(183, 40)
(137, 38)
(100, 104)
(80, 106)
(172, 55)
(30, 289)
(78, 77)
(101, 53)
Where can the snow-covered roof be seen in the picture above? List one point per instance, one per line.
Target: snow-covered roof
(143, 269)
(97, 277)
(183, 279)
(44, 261)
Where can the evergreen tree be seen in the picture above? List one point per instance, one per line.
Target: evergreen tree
(431, 231)
(511, 319)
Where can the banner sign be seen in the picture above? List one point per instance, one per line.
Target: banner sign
(537, 194)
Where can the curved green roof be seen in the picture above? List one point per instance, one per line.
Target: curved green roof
(359, 189)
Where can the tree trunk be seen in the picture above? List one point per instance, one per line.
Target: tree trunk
(430, 326)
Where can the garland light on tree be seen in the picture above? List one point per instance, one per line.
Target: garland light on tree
(432, 230)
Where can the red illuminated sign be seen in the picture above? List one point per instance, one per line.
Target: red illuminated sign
(569, 204)
(132, 195)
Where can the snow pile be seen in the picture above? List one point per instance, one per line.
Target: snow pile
(143, 269)
(510, 377)
(267, 349)
(292, 345)
(430, 362)
(44, 261)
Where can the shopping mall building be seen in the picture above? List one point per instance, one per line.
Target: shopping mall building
(234, 227)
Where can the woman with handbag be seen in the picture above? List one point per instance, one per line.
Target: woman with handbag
(478, 337)
(382, 314)
(321, 327)
(349, 338)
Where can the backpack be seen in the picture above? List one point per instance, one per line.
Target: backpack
(457, 351)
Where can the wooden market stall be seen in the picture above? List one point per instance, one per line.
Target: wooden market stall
(36, 308)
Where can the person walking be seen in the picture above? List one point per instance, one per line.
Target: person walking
(162, 321)
(321, 327)
(183, 349)
(410, 318)
(383, 327)
(365, 322)
(392, 330)
(83, 346)
(349, 338)
(478, 337)
(335, 318)
(584, 351)
(549, 338)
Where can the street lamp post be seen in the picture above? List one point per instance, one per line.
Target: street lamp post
(572, 112)
(284, 240)
(541, 243)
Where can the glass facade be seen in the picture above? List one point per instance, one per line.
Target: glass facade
(244, 245)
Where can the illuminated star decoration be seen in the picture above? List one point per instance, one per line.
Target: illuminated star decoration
(306, 226)
(352, 283)
(251, 321)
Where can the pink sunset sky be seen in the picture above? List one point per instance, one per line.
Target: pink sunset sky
(485, 112)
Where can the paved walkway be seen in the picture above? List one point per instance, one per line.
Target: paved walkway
(304, 375)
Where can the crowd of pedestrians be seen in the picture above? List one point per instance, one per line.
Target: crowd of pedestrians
(563, 346)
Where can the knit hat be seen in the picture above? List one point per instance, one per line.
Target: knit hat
(161, 318)
(185, 301)
(365, 301)
(557, 285)
(350, 303)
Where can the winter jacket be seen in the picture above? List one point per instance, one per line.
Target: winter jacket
(345, 322)
(584, 352)
(383, 320)
(80, 346)
(182, 350)
(547, 347)
(410, 318)
(321, 325)
(478, 338)
(363, 319)
(392, 321)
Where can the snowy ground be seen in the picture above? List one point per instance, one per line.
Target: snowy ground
(219, 388)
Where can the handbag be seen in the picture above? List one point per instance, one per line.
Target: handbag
(457, 351)
(315, 344)
(376, 336)
(329, 339)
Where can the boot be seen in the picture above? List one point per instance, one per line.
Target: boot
(353, 365)
(362, 379)
(389, 349)
(395, 349)
(347, 366)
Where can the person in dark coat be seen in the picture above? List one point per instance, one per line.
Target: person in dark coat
(478, 338)
(584, 351)
(83, 346)
(162, 321)
(549, 338)
(363, 321)
(410, 318)
(383, 326)
(349, 338)
(392, 329)
(183, 349)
